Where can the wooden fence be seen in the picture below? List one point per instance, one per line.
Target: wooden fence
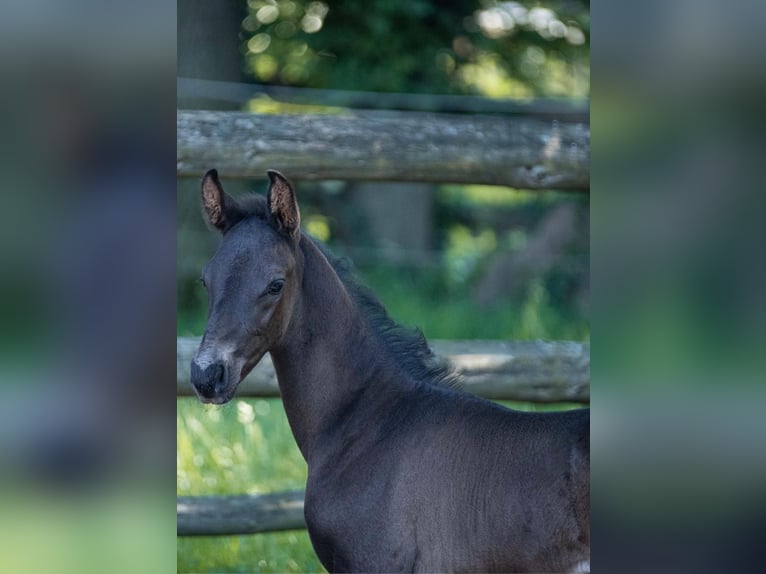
(519, 151)
(239, 514)
(394, 146)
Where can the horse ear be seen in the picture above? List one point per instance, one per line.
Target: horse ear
(221, 210)
(282, 204)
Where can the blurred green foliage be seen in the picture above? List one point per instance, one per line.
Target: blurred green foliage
(497, 49)
(121, 528)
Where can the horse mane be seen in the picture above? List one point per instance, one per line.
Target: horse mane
(408, 347)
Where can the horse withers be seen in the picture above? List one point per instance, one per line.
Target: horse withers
(406, 473)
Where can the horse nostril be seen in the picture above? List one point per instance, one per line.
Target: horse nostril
(207, 380)
(215, 373)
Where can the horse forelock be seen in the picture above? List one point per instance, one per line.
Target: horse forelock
(253, 205)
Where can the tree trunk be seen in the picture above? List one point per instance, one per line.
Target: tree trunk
(209, 46)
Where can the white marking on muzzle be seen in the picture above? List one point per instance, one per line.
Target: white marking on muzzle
(213, 354)
(583, 566)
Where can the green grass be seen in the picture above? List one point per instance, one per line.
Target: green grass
(421, 300)
(274, 552)
(243, 447)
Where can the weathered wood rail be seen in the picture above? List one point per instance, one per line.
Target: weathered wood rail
(239, 514)
(387, 146)
(530, 371)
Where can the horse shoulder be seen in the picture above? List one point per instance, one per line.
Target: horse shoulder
(352, 529)
(352, 516)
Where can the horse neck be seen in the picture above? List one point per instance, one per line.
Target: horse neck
(326, 357)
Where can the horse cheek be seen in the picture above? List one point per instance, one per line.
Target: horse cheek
(268, 321)
(281, 318)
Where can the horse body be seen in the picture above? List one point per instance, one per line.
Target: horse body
(405, 473)
(459, 488)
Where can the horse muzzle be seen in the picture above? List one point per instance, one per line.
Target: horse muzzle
(211, 382)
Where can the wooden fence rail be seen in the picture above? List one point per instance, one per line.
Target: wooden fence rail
(240, 514)
(387, 146)
(531, 371)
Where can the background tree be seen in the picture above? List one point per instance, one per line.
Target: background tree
(499, 49)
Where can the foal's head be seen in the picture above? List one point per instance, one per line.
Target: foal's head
(253, 282)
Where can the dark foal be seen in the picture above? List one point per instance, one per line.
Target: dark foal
(405, 472)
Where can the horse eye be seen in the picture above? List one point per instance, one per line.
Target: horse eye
(276, 286)
(202, 280)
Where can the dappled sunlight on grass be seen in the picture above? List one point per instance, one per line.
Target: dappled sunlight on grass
(318, 226)
(487, 76)
(243, 447)
(495, 195)
(466, 249)
(263, 104)
(274, 552)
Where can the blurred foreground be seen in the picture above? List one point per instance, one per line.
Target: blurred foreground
(87, 249)
(679, 289)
